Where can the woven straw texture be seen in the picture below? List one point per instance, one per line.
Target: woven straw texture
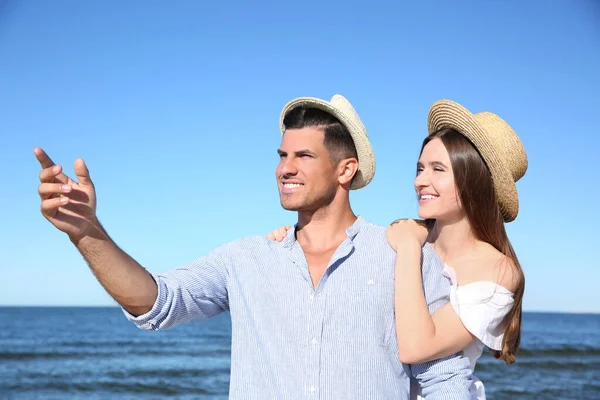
(341, 108)
(497, 143)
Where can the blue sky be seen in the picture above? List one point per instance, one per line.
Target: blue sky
(175, 110)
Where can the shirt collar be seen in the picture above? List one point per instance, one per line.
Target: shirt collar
(352, 231)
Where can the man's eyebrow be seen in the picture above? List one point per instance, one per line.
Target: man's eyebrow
(301, 152)
(305, 151)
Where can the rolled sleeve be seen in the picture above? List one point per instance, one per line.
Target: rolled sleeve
(149, 320)
(447, 378)
(198, 290)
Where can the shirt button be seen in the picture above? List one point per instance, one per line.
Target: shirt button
(311, 297)
(313, 389)
(314, 341)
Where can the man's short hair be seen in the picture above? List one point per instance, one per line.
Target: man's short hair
(338, 141)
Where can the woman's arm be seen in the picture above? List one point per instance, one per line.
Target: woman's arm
(422, 337)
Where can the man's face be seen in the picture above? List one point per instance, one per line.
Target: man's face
(305, 175)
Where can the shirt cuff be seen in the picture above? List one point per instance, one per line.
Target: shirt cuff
(150, 320)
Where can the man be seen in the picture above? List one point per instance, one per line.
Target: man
(312, 316)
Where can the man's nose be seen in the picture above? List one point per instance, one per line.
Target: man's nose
(287, 166)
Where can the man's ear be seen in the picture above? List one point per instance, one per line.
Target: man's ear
(347, 169)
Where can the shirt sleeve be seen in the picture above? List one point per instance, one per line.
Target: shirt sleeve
(449, 377)
(482, 308)
(197, 290)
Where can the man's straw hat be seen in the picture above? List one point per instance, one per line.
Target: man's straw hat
(341, 109)
(498, 144)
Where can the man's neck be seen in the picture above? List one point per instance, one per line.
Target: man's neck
(450, 239)
(324, 229)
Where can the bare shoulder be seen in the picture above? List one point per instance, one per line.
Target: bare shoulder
(498, 268)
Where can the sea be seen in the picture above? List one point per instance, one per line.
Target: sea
(95, 353)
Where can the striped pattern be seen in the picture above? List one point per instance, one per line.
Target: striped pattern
(290, 341)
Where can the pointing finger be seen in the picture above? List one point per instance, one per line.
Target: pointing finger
(43, 158)
(47, 164)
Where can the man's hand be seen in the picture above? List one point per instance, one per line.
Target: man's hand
(406, 231)
(69, 205)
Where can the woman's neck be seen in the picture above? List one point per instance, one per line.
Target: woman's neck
(451, 240)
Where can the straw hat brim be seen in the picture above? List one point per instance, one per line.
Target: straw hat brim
(349, 118)
(448, 114)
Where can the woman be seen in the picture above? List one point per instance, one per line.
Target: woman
(465, 184)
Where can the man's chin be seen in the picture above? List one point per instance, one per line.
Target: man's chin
(289, 207)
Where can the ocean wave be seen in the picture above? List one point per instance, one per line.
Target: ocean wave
(536, 393)
(111, 353)
(98, 350)
(573, 366)
(167, 373)
(65, 387)
(557, 351)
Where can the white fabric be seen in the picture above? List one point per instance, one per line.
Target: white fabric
(482, 307)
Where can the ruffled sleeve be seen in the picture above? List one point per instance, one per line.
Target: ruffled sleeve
(482, 307)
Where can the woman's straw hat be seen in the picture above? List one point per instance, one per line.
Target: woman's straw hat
(341, 109)
(498, 144)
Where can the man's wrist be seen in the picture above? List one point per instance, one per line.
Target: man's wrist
(93, 232)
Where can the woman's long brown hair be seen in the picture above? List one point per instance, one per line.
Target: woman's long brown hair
(478, 199)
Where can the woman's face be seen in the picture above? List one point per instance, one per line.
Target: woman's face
(434, 184)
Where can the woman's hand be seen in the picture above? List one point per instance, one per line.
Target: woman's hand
(406, 231)
(279, 234)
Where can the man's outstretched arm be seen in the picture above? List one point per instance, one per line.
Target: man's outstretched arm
(70, 206)
(151, 301)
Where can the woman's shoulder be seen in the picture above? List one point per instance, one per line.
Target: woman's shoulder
(489, 264)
